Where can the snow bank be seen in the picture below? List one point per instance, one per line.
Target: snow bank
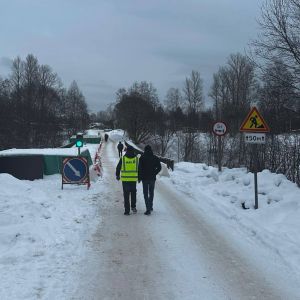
(43, 231)
(275, 225)
(116, 135)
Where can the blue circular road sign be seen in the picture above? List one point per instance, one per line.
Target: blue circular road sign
(75, 169)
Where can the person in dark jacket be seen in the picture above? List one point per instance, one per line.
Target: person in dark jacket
(127, 171)
(149, 167)
(120, 148)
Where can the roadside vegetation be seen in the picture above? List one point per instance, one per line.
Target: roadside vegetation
(36, 110)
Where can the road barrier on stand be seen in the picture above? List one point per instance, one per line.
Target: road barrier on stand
(97, 161)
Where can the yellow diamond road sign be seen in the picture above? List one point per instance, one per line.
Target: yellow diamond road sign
(254, 122)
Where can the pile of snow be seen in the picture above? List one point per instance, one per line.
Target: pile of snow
(275, 225)
(117, 135)
(43, 231)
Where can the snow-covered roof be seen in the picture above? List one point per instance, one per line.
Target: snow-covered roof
(44, 151)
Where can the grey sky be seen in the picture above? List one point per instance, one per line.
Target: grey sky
(108, 44)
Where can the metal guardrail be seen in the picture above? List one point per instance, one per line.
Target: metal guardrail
(169, 162)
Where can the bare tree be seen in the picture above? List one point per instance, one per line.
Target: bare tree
(173, 106)
(76, 109)
(193, 92)
(31, 76)
(187, 145)
(135, 115)
(276, 98)
(6, 114)
(279, 37)
(146, 90)
(193, 98)
(279, 40)
(163, 140)
(162, 136)
(17, 75)
(35, 106)
(120, 93)
(173, 99)
(234, 88)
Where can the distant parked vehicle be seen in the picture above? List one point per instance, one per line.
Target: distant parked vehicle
(107, 129)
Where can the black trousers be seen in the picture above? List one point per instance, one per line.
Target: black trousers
(129, 189)
(148, 190)
(120, 153)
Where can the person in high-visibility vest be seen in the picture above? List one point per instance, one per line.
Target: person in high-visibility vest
(127, 171)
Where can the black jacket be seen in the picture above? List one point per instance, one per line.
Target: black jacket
(129, 154)
(149, 166)
(120, 146)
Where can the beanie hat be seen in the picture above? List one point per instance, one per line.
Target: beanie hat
(148, 149)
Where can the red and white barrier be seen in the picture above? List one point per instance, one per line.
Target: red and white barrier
(97, 161)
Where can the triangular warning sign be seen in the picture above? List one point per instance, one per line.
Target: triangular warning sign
(254, 122)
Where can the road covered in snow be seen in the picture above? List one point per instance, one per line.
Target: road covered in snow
(184, 250)
(198, 243)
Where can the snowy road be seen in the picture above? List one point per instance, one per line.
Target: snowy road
(172, 254)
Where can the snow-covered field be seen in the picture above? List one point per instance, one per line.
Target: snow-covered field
(44, 230)
(42, 234)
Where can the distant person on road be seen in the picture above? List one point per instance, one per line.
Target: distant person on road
(149, 167)
(106, 137)
(127, 171)
(120, 148)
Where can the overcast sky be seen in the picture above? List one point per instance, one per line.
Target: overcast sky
(108, 44)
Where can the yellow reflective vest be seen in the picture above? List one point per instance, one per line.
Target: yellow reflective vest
(129, 169)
